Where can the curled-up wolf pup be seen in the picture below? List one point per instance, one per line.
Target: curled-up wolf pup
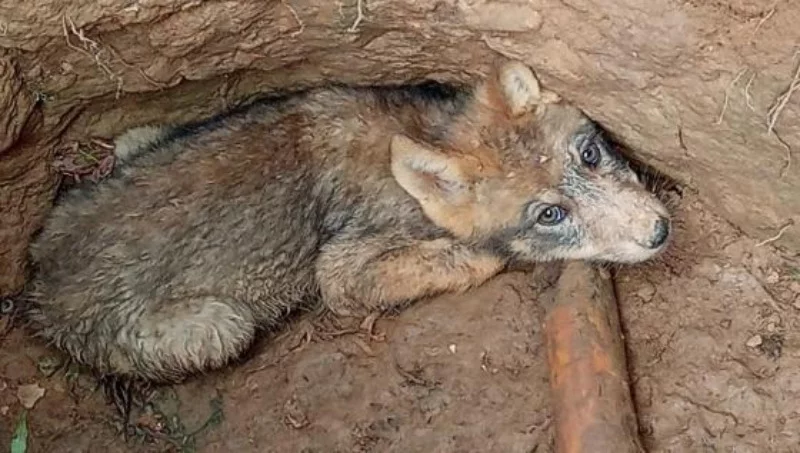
(359, 199)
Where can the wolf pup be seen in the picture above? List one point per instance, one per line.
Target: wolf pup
(361, 199)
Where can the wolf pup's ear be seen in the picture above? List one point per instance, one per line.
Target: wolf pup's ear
(518, 89)
(426, 174)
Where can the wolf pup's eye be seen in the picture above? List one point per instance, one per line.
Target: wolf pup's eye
(552, 215)
(590, 155)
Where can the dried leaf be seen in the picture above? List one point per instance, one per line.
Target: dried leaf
(94, 161)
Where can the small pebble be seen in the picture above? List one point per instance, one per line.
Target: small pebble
(773, 278)
(646, 292)
(452, 348)
(774, 319)
(754, 341)
(29, 394)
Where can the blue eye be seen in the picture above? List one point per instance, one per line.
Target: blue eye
(552, 215)
(590, 155)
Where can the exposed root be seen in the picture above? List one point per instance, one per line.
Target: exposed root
(414, 376)
(291, 343)
(704, 406)
(141, 72)
(297, 19)
(154, 425)
(223, 91)
(777, 236)
(294, 415)
(359, 16)
(747, 97)
(91, 49)
(365, 348)
(306, 337)
(788, 157)
(658, 356)
(765, 18)
(368, 327)
(775, 111)
(728, 94)
(493, 46)
(780, 103)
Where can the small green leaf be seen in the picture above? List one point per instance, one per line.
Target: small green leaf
(19, 443)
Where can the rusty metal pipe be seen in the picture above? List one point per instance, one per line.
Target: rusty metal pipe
(591, 399)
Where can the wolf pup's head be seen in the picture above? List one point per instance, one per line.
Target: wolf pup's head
(532, 176)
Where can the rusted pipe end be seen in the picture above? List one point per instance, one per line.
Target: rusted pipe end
(589, 385)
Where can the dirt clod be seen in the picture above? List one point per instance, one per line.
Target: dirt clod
(647, 292)
(773, 278)
(28, 395)
(772, 346)
(295, 416)
(754, 341)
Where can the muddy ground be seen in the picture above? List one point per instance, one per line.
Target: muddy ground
(714, 351)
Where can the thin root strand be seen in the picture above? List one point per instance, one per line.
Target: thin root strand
(359, 16)
(297, 19)
(783, 99)
(91, 49)
(777, 236)
(728, 95)
(765, 18)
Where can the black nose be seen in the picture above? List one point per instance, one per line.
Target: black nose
(660, 233)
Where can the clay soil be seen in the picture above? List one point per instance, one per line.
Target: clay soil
(713, 348)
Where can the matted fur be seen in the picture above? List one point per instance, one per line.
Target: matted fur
(363, 199)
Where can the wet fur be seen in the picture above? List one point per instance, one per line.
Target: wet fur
(358, 199)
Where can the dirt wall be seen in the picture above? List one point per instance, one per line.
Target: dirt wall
(688, 84)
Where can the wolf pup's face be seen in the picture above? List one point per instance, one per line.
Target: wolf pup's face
(533, 177)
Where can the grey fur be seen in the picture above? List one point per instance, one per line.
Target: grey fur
(212, 231)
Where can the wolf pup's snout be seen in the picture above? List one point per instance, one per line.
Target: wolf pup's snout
(660, 233)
